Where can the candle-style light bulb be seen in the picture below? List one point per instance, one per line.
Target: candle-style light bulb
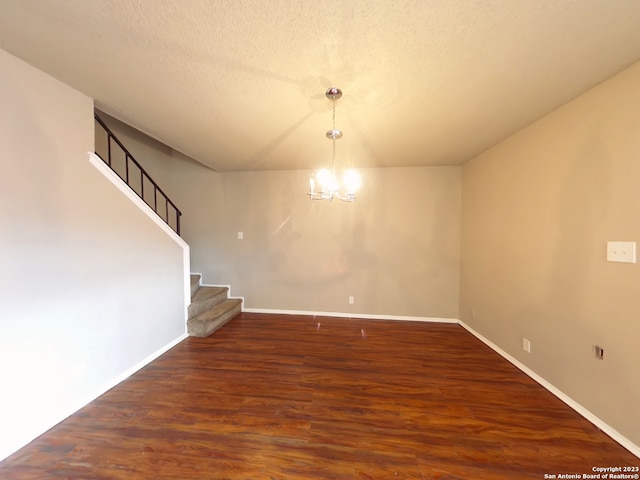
(352, 181)
(324, 177)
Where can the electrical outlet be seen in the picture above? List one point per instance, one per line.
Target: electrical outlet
(350, 300)
(624, 252)
(240, 235)
(526, 345)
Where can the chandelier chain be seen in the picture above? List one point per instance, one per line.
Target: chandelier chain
(333, 137)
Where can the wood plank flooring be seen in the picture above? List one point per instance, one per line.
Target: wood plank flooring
(295, 397)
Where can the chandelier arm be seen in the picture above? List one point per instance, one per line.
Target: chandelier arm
(349, 197)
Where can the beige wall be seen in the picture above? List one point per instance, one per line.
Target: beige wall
(396, 249)
(538, 210)
(90, 286)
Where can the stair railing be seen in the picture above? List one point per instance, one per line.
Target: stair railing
(128, 169)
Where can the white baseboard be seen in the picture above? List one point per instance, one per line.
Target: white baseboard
(130, 371)
(330, 314)
(612, 432)
(366, 316)
(95, 394)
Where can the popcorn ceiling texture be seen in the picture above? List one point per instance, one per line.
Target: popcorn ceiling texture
(239, 85)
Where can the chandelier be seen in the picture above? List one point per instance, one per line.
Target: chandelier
(326, 180)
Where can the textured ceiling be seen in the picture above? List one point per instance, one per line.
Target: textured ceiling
(239, 85)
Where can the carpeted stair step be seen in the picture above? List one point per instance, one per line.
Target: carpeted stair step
(205, 298)
(207, 322)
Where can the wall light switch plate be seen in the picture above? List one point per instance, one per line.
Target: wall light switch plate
(621, 252)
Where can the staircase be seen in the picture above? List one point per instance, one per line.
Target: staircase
(210, 308)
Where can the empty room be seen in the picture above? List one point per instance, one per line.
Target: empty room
(319, 240)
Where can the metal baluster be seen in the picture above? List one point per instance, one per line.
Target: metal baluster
(109, 148)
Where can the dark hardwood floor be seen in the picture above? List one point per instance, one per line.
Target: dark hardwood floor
(294, 397)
